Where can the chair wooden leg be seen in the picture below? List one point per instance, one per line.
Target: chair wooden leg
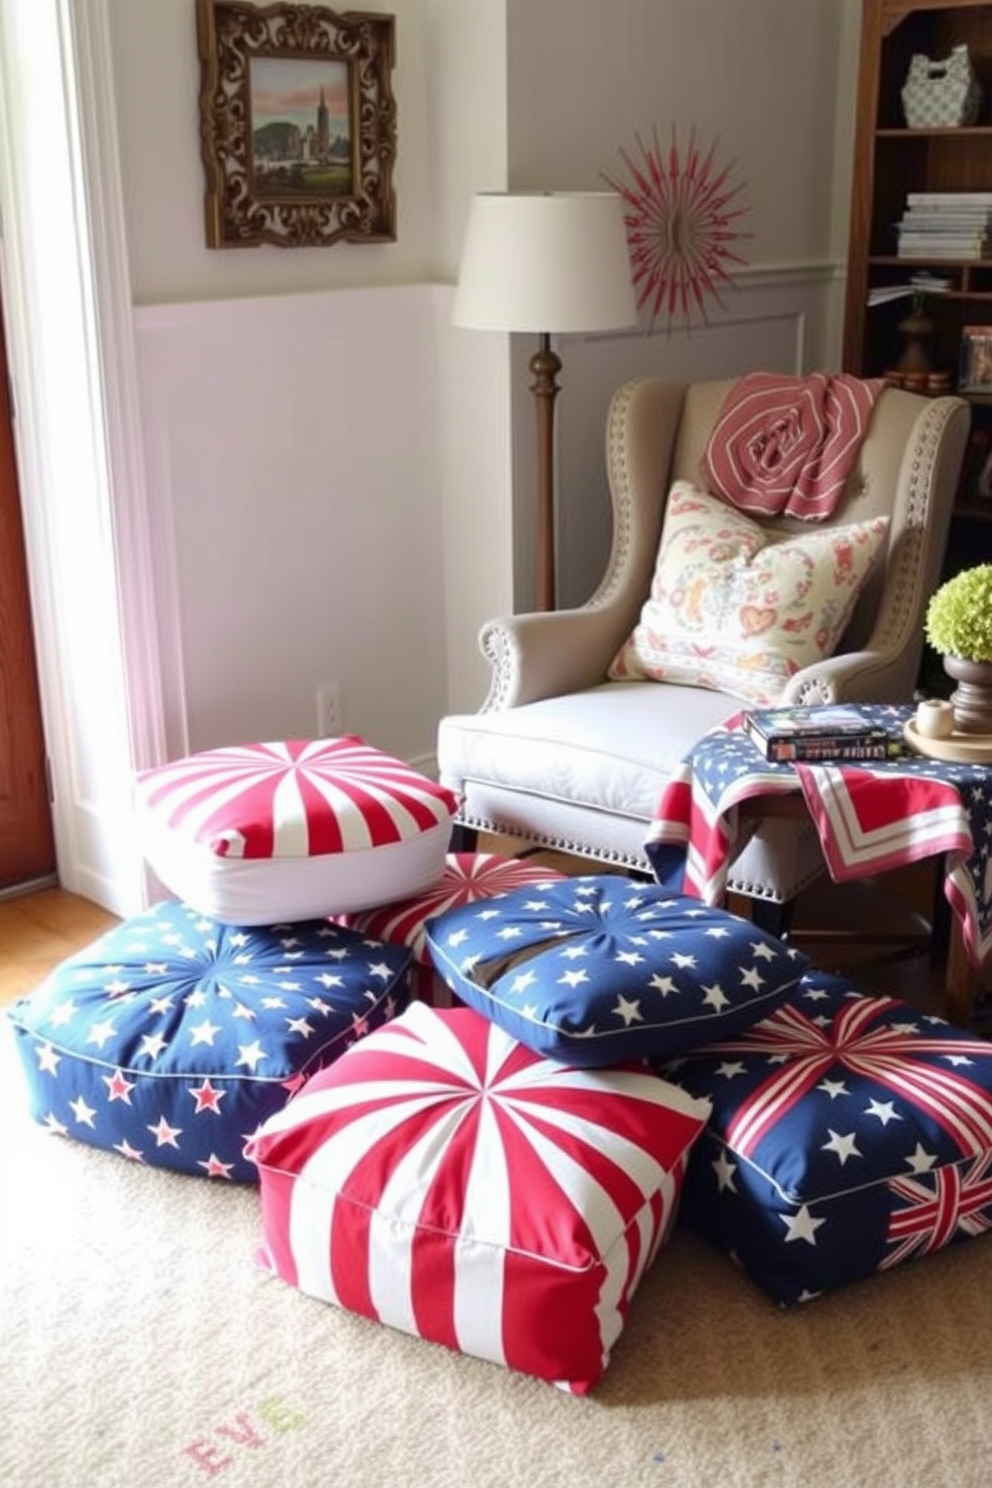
(961, 981)
(771, 916)
(940, 917)
(464, 839)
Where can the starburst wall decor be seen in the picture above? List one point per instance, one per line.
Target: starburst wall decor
(682, 215)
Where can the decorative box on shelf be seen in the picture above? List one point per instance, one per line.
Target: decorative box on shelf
(939, 94)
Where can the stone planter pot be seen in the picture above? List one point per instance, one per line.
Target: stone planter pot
(972, 698)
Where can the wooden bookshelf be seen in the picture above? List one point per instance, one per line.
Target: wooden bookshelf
(890, 161)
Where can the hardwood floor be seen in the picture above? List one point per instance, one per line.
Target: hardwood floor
(39, 930)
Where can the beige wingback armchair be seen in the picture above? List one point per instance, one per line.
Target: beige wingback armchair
(564, 758)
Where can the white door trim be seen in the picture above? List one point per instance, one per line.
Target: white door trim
(114, 335)
(66, 286)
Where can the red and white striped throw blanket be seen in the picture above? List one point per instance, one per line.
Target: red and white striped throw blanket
(788, 444)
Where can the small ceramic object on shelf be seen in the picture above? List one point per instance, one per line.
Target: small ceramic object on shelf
(934, 719)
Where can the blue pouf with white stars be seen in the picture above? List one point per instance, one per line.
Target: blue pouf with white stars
(172, 1038)
(603, 968)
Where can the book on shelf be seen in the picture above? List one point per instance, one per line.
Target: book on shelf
(936, 245)
(941, 229)
(943, 240)
(949, 198)
(816, 735)
(969, 252)
(914, 284)
(940, 222)
(956, 210)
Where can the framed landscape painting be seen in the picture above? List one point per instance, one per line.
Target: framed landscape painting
(297, 124)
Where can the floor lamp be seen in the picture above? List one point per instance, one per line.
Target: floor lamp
(549, 262)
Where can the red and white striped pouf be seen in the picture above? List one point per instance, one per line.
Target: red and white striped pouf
(441, 1178)
(297, 830)
(467, 877)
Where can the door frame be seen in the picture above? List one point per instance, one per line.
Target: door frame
(67, 293)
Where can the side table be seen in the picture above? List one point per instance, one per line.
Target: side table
(871, 817)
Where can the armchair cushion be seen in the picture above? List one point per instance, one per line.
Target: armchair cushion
(737, 607)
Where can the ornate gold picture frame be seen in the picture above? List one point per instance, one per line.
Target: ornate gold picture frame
(297, 124)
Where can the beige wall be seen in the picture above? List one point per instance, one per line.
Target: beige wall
(758, 79)
(490, 93)
(158, 80)
(510, 92)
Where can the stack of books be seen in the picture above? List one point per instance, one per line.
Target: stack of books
(833, 731)
(945, 224)
(920, 282)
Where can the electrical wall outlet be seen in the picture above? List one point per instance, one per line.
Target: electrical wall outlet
(330, 718)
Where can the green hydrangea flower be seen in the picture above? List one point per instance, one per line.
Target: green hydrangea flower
(959, 615)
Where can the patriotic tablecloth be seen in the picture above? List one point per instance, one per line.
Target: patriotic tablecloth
(871, 817)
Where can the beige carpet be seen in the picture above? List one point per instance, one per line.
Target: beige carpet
(139, 1345)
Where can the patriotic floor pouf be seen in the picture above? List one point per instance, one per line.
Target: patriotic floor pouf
(467, 878)
(849, 1134)
(603, 968)
(292, 831)
(443, 1179)
(172, 1038)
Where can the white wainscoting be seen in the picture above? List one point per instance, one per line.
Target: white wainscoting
(292, 452)
(323, 468)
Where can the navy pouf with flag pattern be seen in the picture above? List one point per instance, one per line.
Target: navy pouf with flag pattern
(849, 1134)
(172, 1038)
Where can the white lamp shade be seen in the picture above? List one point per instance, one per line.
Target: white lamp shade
(545, 262)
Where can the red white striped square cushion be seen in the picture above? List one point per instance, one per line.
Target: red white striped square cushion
(467, 877)
(443, 1179)
(294, 830)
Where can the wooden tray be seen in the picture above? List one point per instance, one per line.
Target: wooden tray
(959, 749)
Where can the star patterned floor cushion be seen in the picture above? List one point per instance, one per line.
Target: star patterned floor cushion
(603, 968)
(467, 878)
(292, 831)
(443, 1179)
(172, 1038)
(849, 1134)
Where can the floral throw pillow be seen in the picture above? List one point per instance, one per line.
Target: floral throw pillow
(737, 608)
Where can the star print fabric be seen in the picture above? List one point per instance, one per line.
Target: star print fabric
(172, 1038)
(597, 969)
(849, 1134)
(467, 878)
(871, 817)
